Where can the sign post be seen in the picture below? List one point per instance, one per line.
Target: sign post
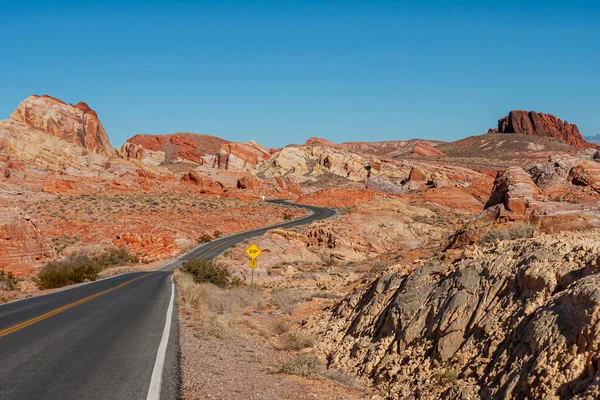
(253, 252)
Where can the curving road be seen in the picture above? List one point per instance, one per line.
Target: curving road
(111, 339)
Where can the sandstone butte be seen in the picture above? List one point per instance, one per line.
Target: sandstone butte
(540, 124)
(75, 123)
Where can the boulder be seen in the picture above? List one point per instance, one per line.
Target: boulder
(203, 182)
(587, 174)
(515, 189)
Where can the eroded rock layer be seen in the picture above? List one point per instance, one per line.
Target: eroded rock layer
(519, 320)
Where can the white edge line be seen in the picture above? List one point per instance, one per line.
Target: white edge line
(159, 364)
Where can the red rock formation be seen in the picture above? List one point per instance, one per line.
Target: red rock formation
(249, 182)
(22, 245)
(61, 187)
(337, 197)
(417, 175)
(587, 173)
(149, 246)
(320, 142)
(540, 124)
(77, 124)
(426, 150)
(204, 182)
(515, 189)
(188, 146)
(233, 155)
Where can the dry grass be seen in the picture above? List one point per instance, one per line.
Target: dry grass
(116, 271)
(279, 326)
(295, 341)
(285, 300)
(306, 365)
(214, 310)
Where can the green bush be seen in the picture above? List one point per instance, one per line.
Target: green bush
(81, 267)
(208, 271)
(204, 238)
(7, 280)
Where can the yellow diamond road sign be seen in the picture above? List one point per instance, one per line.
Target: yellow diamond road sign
(253, 251)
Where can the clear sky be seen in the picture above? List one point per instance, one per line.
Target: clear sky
(279, 72)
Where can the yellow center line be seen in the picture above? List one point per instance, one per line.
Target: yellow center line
(49, 314)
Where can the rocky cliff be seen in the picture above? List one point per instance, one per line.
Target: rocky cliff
(540, 124)
(77, 123)
(520, 320)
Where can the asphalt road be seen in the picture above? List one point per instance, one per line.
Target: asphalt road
(112, 339)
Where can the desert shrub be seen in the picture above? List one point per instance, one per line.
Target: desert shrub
(520, 231)
(217, 234)
(81, 267)
(296, 341)
(343, 378)
(280, 326)
(287, 216)
(208, 271)
(306, 365)
(494, 236)
(285, 299)
(378, 267)
(204, 238)
(7, 280)
(445, 376)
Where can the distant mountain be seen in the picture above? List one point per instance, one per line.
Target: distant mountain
(593, 139)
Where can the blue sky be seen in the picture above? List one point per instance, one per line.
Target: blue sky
(280, 72)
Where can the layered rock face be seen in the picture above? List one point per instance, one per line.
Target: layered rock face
(53, 135)
(540, 124)
(515, 189)
(241, 156)
(22, 245)
(207, 150)
(558, 195)
(521, 320)
(77, 124)
(199, 149)
(424, 149)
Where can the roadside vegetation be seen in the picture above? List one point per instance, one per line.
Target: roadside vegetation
(211, 272)
(221, 309)
(82, 267)
(8, 281)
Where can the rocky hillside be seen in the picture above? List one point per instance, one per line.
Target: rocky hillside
(75, 123)
(197, 149)
(54, 135)
(517, 320)
(560, 194)
(540, 124)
